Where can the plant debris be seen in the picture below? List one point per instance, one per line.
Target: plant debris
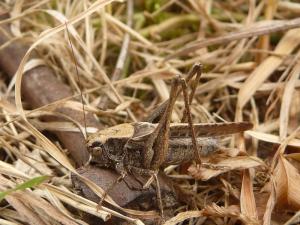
(126, 53)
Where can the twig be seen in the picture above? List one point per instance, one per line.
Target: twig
(123, 53)
(124, 49)
(104, 37)
(258, 30)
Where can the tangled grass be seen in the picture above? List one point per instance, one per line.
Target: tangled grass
(127, 53)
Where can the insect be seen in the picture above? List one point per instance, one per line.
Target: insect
(143, 147)
(122, 147)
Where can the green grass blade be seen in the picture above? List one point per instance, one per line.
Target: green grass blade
(27, 184)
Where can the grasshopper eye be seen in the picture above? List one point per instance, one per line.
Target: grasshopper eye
(96, 144)
(96, 148)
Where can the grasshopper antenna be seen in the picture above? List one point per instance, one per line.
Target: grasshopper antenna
(78, 81)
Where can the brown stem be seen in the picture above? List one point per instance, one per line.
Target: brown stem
(41, 87)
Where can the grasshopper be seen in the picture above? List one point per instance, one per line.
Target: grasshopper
(143, 147)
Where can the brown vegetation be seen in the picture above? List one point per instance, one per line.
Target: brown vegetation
(126, 54)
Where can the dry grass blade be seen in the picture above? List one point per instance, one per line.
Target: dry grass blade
(129, 30)
(287, 184)
(24, 201)
(126, 53)
(232, 211)
(286, 45)
(51, 149)
(25, 212)
(259, 29)
(248, 206)
(270, 204)
(49, 146)
(78, 202)
(287, 101)
(74, 33)
(180, 217)
(273, 138)
(223, 166)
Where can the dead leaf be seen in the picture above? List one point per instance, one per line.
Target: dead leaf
(183, 216)
(231, 211)
(270, 204)
(286, 101)
(287, 184)
(272, 138)
(247, 200)
(240, 162)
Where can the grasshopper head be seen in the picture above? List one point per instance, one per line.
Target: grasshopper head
(108, 143)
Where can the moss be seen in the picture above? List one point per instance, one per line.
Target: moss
(153, 5)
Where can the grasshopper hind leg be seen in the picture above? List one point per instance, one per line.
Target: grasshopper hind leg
(156, 145)
(156, 148)
(188, 114)
(156, 115)
(198, 71)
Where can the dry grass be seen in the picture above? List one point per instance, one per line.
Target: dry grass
(246, 77)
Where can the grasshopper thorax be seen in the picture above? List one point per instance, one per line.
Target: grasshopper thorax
(107, 145)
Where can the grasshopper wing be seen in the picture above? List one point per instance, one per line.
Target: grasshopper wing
(142, 130)
(209, 129)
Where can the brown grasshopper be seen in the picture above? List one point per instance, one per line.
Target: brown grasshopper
(143, 147)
